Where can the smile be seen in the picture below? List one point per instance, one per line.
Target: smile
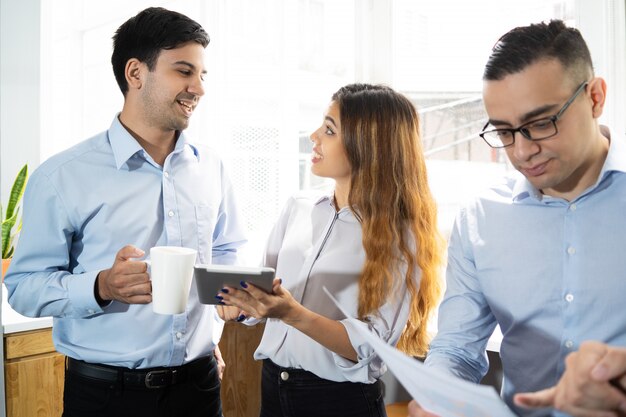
(187, 108)
(535, 170)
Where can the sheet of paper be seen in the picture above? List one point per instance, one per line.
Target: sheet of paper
(437, 392)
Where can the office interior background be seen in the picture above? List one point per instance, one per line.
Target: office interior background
(272, 67)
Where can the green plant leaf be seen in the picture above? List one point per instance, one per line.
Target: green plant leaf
(11, 215)
(17, 190)
(7, 226)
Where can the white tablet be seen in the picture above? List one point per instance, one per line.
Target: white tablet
(210, 279)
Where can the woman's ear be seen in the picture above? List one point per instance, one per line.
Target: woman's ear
(597, 92)
(134, 73)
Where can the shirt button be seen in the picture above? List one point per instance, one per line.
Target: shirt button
(179, 335)
(569, 344)
(166, 174)
(571, 250)
(170, 213)
(569, 298)
(572, 207)
(284, 375)
(90, 311)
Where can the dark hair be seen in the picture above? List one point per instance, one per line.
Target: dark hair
(525, 45)
(146, 34)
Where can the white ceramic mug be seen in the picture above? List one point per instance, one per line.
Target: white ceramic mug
(171, 272)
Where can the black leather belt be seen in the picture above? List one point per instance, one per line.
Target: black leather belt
(149, 378)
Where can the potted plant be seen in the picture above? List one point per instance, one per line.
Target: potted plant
(11, 219)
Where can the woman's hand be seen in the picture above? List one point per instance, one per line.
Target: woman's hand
(257, 303)
(219, 360)
(280, 304)
(230, 313)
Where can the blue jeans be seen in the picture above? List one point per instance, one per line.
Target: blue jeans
(303, 394)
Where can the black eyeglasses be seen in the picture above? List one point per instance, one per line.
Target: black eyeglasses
(534, 130)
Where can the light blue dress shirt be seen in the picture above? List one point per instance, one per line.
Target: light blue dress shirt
(313, 246)
(551, 273)
(82, 206)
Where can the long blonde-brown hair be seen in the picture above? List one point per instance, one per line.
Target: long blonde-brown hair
(390, 196)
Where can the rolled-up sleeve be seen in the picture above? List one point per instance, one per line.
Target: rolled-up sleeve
(388, 325)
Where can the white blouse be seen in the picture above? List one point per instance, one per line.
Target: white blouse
(313, 246)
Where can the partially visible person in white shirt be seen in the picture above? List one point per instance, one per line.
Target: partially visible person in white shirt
(373, 244)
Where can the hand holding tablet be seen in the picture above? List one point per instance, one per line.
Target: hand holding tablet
(210, 279)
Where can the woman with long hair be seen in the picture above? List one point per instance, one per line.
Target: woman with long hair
(373, 243)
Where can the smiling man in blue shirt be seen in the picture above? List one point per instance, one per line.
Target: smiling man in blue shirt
(542, 253)
(91, 211)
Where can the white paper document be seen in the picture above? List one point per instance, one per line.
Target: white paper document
(435, 391)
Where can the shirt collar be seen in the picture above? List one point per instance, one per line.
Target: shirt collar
(328, 200)
(616, 158)
(124, 145)
(615, 161)
(523, 189)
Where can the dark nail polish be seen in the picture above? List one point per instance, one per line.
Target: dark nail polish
(224, 290)
(241, 318)
(219, 297)
(221, 303)
(243, 284)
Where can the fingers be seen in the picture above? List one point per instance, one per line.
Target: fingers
(126, 281)
(543, 398)
(276, 285)
(228, 313)
(242, 316)
(255, 291)
(611, 366)
(241, 299)
(416, 411)
(577, 393)
(258, 303)
(128, 252)
(221, 365)
(131, 289)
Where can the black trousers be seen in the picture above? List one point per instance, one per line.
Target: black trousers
(198, 395)
(288, 392)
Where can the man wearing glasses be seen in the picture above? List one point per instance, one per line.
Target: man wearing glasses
(542, 254)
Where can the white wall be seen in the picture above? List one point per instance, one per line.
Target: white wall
(19, 89)
(601, 23)
(19, 103)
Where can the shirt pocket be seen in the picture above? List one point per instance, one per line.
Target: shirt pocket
(206, 217)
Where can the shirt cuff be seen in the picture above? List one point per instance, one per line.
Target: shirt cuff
(369, 366)
(80, 290)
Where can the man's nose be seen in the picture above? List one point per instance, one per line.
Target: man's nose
(196, 87)
(524, 148)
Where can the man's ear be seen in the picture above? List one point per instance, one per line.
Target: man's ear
(134, 73)
(597, 92)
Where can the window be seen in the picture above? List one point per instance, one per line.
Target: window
(273, 66)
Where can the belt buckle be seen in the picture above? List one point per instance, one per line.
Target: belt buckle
(157, 379)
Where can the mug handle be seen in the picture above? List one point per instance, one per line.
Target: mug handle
(148, 262)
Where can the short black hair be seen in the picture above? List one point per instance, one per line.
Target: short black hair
(146, 34)
(525, 45)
